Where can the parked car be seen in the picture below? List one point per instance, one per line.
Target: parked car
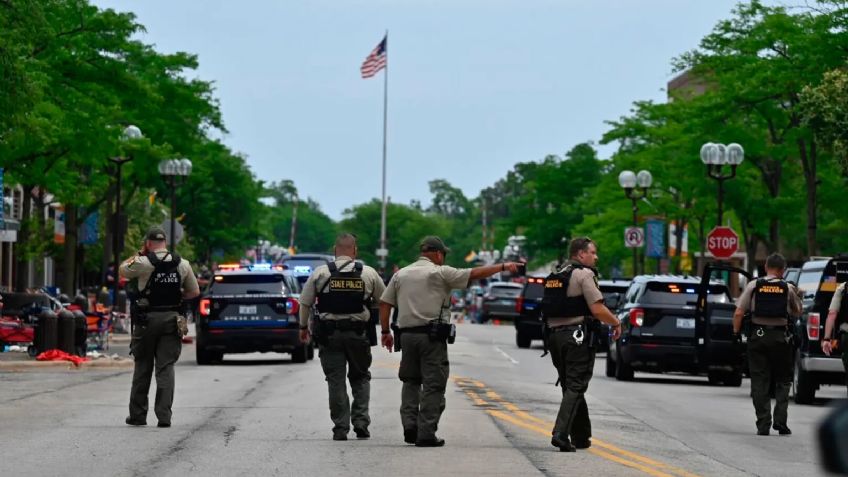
(250, 309)
(659, 329)
(614, 291)
(500, 299)
(818, 280)
(791, 275)
(528, 323)
(302, 264)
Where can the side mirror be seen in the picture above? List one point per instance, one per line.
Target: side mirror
(833, 433)
(611, 301)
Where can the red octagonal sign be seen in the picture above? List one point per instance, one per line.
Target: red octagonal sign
(722, 242)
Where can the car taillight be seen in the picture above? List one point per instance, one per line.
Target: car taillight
(519, 304)
(292, 306)
(205, 304)
(637, 316)
(813, 323)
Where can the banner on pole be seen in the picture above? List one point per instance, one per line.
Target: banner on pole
(655, 238)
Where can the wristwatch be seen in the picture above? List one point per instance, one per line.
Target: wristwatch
(304, 327)
(385, 332)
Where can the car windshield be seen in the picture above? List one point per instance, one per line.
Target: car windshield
(245, 284)
(534, 291)
(809, 280)
(303, 267)
(667, 293)
(505, 291)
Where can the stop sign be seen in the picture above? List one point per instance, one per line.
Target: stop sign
(722, 242)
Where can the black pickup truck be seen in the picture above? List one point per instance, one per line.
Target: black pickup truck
(818, 281)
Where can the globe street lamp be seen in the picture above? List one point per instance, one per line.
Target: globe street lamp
(174, 172)
(715, 156)
(629, 181)
(130, 133)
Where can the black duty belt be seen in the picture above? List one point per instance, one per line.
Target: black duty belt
(346, 325)
(771, 327)
(416, 329)
(558, 329)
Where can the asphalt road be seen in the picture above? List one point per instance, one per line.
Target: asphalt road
(263, 415)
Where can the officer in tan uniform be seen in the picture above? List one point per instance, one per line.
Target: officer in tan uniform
(837, 317)
(344, 290)
(421, 294)
(771, 302)
(163, 280)
(569, 318)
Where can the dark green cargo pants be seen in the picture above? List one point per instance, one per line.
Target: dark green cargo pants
(575, 364)
(424, 370)
(770, 356)
(347, 352)
(155, 347)
(843, 345)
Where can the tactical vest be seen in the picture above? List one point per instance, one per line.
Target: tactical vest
(556, 303)
(771, 298)
(344, 292)
(164, 287)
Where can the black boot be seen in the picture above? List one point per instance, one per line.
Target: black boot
(563, 443)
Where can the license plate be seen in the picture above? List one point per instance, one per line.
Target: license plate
(686, 323)
(247, 309)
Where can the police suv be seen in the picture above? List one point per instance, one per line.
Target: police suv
(817, 281)
(248, 309)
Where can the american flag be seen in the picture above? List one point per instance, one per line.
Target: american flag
(376, 61)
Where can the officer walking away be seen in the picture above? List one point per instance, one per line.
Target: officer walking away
(771, 302)
(344, 290)
(837, 316)
(421, 294)
(572, 306)
(164, 281)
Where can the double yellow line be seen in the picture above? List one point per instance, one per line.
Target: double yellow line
(484, 397)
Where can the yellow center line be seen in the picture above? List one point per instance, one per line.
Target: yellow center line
(518, 413)
(648, 470)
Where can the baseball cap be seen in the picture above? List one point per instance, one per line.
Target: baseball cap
(155, 233)
(433, 243)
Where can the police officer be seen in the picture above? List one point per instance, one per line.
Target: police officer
(572, 301)
(837, 317)
(421, 294)
(164, 280)
(771, 302)
(344, 290)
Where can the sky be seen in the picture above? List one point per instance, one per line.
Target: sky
(474, 86)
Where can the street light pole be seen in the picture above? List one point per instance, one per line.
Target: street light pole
(130, 133)
(715, 156)
(173, 170)
(629, 182)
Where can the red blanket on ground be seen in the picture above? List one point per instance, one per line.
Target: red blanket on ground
(58, 355)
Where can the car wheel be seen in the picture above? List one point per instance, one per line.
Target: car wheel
(311, 353)
(300, 354)
(733, 378)
(522, 340)
(803, 386)
(623, 371)
(610, 366)
(203, 357)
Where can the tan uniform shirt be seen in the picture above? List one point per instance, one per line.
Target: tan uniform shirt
(421, 292)
(139, 267)
(371, 280)
(836, 301)
(583, 282)
(747, 302)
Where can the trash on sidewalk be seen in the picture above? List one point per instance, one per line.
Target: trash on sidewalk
(59, 355)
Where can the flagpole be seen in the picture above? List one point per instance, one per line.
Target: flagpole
(385, 127)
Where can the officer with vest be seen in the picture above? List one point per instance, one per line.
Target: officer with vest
(343, 291)
(571, 305)
(421, 294)
(837, 317)
(771, 302)
(163, 280)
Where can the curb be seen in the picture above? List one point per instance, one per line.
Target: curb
(65, 365)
